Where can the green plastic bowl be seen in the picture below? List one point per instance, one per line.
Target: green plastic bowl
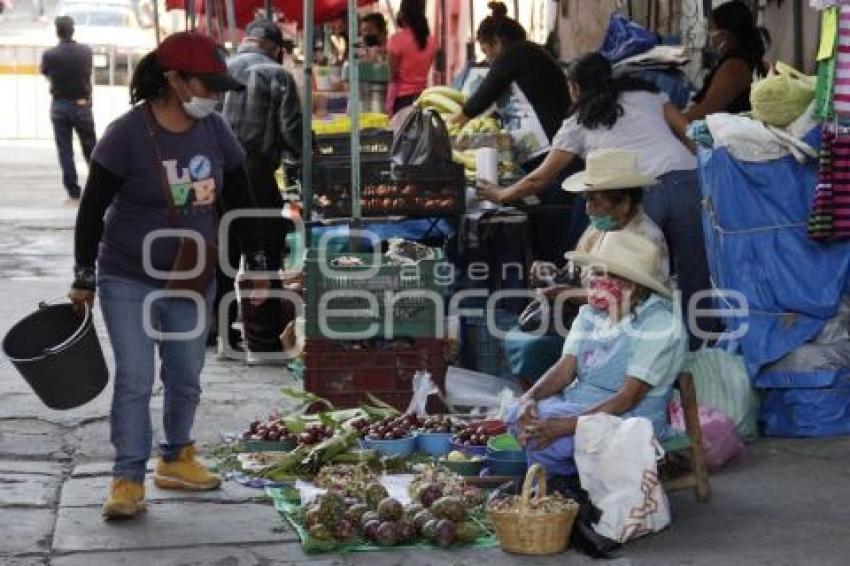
(464, 468)
(504, 443)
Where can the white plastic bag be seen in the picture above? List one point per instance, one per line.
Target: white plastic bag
(472, 389)
(617, 461)
(423, 387)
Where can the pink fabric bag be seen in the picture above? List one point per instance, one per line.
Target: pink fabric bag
(720, 440)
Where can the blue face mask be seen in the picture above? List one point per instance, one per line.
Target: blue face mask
(603, 222)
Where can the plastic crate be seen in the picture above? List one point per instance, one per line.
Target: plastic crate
(372, 142)
(343, 372)
(482, 351)
(408, 316)
(435, 193)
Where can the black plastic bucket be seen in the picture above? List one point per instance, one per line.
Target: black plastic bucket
(57, 351)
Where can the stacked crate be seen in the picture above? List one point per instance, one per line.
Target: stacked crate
(343, 369)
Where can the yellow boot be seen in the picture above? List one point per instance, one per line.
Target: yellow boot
(185, 473)
(126, 499)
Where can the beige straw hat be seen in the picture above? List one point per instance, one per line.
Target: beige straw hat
(629, 256)
(608, 169)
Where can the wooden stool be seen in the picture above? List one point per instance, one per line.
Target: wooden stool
(688, 445)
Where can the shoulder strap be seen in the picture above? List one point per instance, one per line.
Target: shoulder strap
(147, 114)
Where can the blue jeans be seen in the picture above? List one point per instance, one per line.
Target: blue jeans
(135, 367)
(675, 205)
(67, 117)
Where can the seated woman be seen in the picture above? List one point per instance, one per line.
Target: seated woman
(613, 192)
(622, 356)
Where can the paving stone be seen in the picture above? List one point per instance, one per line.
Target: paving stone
(25, 531)
(37, 560)
(28, 489)
(31, 467)
(32, 438)
(83, 491)
(169, 525)
(213, 555)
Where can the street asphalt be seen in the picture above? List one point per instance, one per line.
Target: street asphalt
(784, 503)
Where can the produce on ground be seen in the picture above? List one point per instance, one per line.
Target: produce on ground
(274, 429)
(435, 482)
(346, 478)
(472, 434)
(392, 428)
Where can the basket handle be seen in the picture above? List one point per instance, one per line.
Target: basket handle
(536, 471)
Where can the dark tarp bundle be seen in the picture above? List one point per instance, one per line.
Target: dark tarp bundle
(755, 217)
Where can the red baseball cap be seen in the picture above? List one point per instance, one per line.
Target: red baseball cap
(197, 55)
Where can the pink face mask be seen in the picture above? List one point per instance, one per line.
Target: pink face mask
(602, 292)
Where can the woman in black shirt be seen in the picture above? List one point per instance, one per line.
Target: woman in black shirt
(515, 60)
(533, 98)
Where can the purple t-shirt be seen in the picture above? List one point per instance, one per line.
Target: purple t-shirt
(193, 163)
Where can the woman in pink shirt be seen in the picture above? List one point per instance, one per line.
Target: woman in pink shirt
(411, 54)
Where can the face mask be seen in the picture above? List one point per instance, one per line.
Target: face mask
(199, 108)
(603, 222)
(371, 40)
(602, 292)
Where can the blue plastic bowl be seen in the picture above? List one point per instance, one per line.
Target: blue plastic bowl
(402, 447)
(470, 450)
(511, 468)
(506, 455)
(434, 443)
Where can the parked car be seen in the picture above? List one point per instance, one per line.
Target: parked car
(112, 30)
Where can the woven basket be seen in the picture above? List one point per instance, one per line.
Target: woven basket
(526, 532)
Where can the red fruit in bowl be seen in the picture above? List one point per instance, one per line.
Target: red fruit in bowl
(273, 436)
(254, 426)
(306, 438)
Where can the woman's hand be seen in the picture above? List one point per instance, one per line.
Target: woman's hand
(490, 191)
(526, 412)
(542, 433)
(80, 299)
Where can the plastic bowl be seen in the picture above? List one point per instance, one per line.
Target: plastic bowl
(504, 442)
(403, 447)
(470, 450)
(511, 468)
(434, 443)
(464, 467)
(506, 455)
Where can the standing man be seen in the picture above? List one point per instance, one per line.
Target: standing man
(266, 117)
(68, 66)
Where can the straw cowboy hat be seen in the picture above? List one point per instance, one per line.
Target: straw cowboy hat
(627, 255)
(608, 169)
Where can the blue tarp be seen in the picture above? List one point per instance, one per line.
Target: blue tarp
(754, 218)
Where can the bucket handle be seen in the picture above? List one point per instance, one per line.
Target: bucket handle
(71, 339)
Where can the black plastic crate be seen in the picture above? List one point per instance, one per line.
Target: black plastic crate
(372, 142)
(413, 192)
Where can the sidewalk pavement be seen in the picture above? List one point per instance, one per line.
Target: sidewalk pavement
(785, 503)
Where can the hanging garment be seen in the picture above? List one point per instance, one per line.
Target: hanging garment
(820, 219)
(842, 68)
(841, 184)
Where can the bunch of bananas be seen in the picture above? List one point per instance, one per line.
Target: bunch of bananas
(444, 100)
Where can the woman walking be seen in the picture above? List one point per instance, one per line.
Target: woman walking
(169, 163)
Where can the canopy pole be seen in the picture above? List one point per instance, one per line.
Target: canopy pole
(208, 17)
(231, 22)
(354, 111)
(268, 4)
(307, 101)
(156, 21)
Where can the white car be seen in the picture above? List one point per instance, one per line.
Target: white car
(110, 28)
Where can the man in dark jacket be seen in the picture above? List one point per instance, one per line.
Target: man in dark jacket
(68, 66)
(266, 117)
